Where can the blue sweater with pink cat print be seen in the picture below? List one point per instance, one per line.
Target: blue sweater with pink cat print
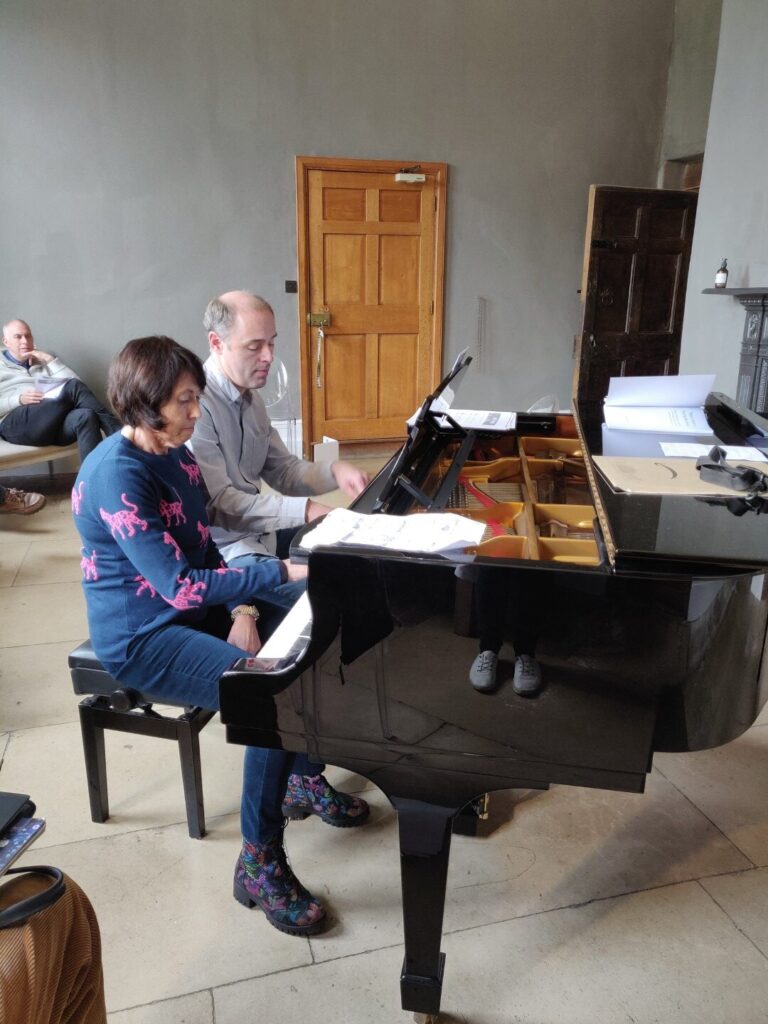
(147, 555)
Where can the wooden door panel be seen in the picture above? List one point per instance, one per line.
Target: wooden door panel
(343, 204)
(372, 256)
(398, 373)
(612, 300)
(619, 221)
(636, 266)
(397, 284)
(400, 207)
(667, 223)
(344, 362)
(657, 303)
(343, 268)
(368, 318)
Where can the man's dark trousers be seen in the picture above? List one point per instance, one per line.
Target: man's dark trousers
(76, 415)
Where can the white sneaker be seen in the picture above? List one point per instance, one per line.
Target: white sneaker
(482, 674)
(527, 678)
(22, 503)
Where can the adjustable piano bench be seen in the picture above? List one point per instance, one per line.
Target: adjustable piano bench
(110, 705)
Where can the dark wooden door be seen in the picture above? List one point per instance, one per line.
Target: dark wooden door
(637, 251)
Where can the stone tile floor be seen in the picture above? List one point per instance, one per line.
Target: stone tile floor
(581, 906)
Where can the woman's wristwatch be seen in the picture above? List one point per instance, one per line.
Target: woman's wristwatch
(245, 609)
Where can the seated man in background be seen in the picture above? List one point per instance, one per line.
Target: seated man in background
(68, 412)
(237, 447)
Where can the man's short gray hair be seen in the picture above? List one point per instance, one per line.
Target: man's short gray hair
(219, 315)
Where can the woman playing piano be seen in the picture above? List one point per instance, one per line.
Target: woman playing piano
(167, 615)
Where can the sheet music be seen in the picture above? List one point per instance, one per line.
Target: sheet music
(656, 419)
(671, 404)
(482, 419)
(427, 532)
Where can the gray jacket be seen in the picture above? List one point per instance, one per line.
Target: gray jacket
(237, 447)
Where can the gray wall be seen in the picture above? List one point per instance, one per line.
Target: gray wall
(732, 218)
(150, 145)
(691, 72)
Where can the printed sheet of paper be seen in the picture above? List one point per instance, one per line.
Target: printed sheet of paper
(687, 389)
(51, 386)
(666, 405)
(656, 419)
(733, 452)
(471, 419)
(660, 476)
(427, 532)
(481, 419)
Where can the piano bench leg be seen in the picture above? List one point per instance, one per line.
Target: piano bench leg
(188, 735)
(95, 760)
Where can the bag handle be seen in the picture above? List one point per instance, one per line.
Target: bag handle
(20, 912)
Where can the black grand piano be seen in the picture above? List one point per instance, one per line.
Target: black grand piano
(649, 613)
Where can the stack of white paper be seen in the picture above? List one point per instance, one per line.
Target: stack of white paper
(670, 405)
(427, 532)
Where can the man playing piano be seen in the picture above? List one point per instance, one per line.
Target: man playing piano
(236, 446)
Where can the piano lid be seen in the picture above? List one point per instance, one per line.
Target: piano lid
(681, 528)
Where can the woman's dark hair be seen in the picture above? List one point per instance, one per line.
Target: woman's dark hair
(142, 378)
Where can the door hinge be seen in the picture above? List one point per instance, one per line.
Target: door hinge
(435, 204)
(432, 308)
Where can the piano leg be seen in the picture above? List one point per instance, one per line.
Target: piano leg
(425, 843)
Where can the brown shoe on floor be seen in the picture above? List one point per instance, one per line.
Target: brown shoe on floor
(22, 503)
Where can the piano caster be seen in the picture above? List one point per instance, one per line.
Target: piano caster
(467, 821)
(426, 1018)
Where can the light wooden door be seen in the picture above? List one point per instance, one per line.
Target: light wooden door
(637, 252)
(371, 257)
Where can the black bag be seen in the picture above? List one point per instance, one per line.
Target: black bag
(14, 806)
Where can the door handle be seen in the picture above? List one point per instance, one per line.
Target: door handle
(319, 357)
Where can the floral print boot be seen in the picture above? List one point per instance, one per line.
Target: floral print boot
(263, 878)
(313, 794)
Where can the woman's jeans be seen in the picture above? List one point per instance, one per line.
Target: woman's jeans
(192, 661)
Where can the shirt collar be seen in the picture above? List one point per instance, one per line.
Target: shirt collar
(12, 359)
(214, 372)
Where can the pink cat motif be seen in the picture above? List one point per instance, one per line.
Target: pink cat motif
(124, 519)
(143, 585)
(226, 568)
(172, 510)
(205, 534)
(168, 539)
(188, 596)
(192, 470)
(88, 565)
(77, 497)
